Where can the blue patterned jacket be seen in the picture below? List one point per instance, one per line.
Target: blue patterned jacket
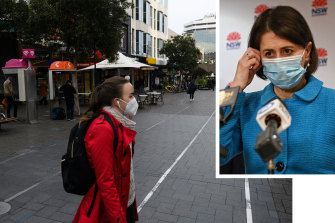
(308, 144)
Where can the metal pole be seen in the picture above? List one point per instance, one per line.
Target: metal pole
(30, 84)
(95, 67)
(271, 168)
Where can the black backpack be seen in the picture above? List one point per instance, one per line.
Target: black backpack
(78, 176)
(58, 113)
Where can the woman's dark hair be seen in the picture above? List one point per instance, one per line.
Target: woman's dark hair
(287, 23)
(103, 95)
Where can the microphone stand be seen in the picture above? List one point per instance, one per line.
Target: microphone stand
(271, 167)
(268, 144)
(228, 98)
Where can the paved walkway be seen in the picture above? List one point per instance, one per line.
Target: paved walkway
(174, 167)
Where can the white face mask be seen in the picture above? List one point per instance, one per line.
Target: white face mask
(131, 107)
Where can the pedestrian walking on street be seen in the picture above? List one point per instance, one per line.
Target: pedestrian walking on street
(213, 83)
(2, 96)
(44, 92)
(10, 96)
(191, 89)
(115, 199)
(69, 92)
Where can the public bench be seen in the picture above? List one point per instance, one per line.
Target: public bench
(3, 121)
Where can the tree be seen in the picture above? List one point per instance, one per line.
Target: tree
(89, 25)
(182, 53)
(6, 12)
(82, 26)
(200, 71)
(32, 21)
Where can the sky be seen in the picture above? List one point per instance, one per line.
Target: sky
(184, 11)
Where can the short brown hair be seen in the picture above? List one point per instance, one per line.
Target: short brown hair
(287, 23)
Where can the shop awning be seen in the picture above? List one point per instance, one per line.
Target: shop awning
(122, 62)
(16, 63)
(62, 65)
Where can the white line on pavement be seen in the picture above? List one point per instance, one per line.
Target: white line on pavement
(21, 192)
(153, 126)
(14, 157)
(183, 109)
(163, 120)
(23, 153)
(247, 201)
(146, 199)
(31, 187)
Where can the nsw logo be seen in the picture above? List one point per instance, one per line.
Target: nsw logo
(319, 7)
(259, 9)
(234, 41)
(322, 53)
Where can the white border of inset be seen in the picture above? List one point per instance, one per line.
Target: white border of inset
(217, 118)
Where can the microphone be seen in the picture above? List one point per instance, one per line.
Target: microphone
(274, 109)
(273, 118)
(227, 97)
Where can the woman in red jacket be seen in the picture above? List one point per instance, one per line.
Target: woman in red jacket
(115, 198)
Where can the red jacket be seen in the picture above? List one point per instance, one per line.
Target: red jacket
(111, 170)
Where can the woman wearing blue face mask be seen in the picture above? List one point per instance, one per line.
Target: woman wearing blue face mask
(282, 49)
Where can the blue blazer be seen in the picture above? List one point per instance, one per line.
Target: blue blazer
(308, 144)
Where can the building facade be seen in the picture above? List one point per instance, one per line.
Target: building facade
(172, 34)
(148, 31)
(204, 33)
(149, 28)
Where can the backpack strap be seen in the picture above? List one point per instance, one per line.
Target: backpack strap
(116, 138)
(93, 200)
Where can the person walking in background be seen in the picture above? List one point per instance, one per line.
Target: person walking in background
(2, 96)
(44, 92)
(115, 199)
(2, 103)
(10, 96)
(191, 89)
(213, 83)
(69, 92)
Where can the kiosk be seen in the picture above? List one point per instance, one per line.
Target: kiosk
(59, 73)
(24, 84)
(15, 68)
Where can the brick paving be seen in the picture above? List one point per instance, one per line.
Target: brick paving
(282, 196)
(30, 157)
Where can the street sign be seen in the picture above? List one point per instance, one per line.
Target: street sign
(28, 53)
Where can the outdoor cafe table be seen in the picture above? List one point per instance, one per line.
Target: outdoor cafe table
(142, 98)
(84, 96)
(153, 96)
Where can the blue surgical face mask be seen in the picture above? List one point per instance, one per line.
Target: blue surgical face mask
(284, 72)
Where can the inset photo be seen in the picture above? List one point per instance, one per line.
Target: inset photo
(276, 90)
